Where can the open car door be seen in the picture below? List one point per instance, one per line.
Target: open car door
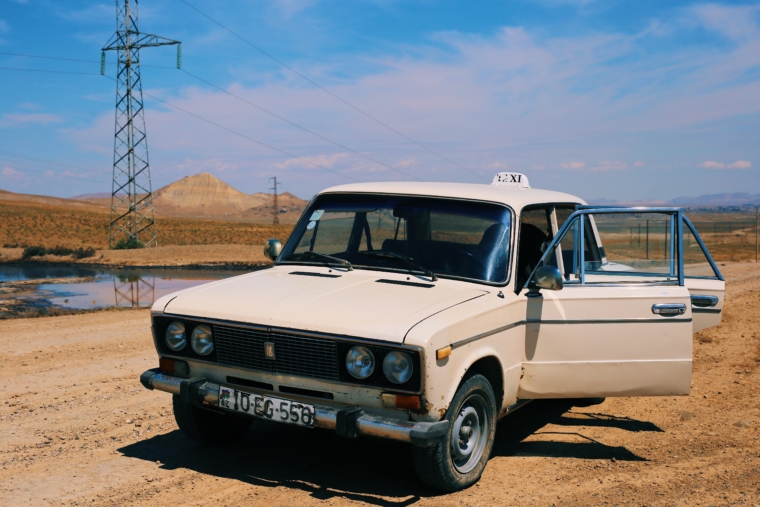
(621, 325)
(703, 279)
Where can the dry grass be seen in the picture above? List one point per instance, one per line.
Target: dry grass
(57, 312)
(39, 224)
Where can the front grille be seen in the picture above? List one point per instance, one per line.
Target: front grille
(294, 354)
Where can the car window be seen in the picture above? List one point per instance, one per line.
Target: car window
(534, 236)
(617, 247)
(695, 262)
(449, 237)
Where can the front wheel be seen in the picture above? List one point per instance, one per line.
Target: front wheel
(206, 427)
(459, 460)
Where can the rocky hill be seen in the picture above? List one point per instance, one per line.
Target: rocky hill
(206, 196)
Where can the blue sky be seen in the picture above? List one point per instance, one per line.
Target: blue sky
(636, 100)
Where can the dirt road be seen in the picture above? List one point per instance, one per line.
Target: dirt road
(77, 428)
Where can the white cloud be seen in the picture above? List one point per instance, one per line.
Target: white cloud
(498, 166)
(14, 119)
(610, 165)
(9, 172)
(290, 7)
(734, 22)
(523, 96)
(328, 161)
(739, 164)
(575, 166)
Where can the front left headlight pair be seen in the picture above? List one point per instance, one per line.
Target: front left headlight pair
(398, 366)
(201, 339)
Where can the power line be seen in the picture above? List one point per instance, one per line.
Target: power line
(52, 71)
(342, 146)
(250, 138)
(301, 127)
(40, 160)
(76, 60)
(257, 48)
(26, 169)
(290, 155)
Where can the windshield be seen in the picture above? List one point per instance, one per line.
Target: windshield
(428, 236)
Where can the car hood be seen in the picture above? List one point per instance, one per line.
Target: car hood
(360, 303)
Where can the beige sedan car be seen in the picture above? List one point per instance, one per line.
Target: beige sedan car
(424, 312)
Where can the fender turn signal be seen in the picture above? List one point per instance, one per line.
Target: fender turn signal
(443, 353)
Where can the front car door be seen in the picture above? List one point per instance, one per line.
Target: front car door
(622, 323)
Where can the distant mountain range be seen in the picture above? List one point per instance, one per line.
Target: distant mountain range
(206, 196)
(729, 200)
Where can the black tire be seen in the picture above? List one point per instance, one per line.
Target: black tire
(206, 427)
(443, 468)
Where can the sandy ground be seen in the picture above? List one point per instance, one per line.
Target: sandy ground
(77, 428)
(163, 256)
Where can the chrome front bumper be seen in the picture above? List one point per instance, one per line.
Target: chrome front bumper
(350, 422)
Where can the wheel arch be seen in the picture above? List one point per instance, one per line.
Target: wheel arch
(490, 367)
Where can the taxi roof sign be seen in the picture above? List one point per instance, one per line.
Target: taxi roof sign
(514, 180)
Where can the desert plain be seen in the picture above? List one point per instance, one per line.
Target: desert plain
(77, 428)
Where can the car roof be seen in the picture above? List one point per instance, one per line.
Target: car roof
(515, 197)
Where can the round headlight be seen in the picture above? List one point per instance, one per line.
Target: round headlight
(202, 340)
(360, 362)
(398, 366)
(175, 336)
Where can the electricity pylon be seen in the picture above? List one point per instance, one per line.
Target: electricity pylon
(276, 212)
(131, 190)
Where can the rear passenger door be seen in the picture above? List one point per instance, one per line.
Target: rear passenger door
(621, 325)
(703, 279)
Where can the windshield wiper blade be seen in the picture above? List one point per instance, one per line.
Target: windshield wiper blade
(391, 255)
(334, 260)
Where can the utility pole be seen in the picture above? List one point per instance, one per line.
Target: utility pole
(275, 210)
(757, 231)
(131, 191)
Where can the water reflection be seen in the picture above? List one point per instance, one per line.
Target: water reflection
(109, 287)
(134, 291)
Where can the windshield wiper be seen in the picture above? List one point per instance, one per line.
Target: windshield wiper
(391, 255)
(334, 260)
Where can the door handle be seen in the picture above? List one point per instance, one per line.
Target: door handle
(669, 309)
(704, 301)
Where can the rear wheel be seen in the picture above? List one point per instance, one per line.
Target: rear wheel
(459, 460)
(206, 427)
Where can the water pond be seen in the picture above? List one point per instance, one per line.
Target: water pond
(96, 287)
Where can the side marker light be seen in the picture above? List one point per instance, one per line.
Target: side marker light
(443, 353)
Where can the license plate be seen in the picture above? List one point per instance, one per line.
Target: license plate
(267, 407)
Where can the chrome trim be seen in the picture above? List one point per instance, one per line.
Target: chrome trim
(325, 417)
(704, 301)
(308, 334)
(668, 309)
(480, 336)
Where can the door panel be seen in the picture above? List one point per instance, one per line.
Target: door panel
(599, 335)
(703, 279)
(588, 341)
(705, 314)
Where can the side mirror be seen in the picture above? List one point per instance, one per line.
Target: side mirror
(547, 277)
(273, 248)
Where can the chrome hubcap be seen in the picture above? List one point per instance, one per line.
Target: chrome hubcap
(469, 434)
